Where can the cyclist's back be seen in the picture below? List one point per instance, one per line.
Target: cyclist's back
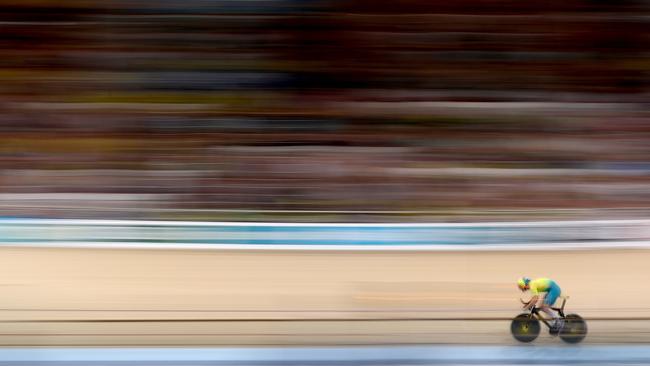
(546, 286)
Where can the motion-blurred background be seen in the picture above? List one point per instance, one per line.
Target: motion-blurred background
(461, 110)
(319, 111)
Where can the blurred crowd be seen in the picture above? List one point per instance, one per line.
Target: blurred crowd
(229, 109)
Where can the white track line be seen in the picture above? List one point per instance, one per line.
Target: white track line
(341, 247)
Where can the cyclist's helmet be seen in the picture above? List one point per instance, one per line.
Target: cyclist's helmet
(522, 283)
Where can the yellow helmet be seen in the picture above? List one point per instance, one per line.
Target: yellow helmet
(522, 283)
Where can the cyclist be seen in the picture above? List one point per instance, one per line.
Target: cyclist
(545, 292)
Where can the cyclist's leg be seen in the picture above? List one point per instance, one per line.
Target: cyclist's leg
(550, 299)
(547, 310)
(543, 306)
(552, 295)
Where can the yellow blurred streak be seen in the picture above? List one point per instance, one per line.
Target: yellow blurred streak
(14, 74)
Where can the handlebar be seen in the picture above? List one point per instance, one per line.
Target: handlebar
(532, 309)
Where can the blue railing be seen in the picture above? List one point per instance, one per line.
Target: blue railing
(182, 233)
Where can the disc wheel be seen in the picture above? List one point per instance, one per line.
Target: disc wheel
(574, 330)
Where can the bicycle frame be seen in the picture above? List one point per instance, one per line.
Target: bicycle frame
(534, 312)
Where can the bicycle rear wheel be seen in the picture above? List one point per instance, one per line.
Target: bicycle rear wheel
(574, 330)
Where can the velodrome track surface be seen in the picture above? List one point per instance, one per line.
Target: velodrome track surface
(129, 297)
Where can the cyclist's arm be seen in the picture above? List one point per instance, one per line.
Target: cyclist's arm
(532, 302)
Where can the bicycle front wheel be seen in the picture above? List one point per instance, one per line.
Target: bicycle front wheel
(525, 328)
